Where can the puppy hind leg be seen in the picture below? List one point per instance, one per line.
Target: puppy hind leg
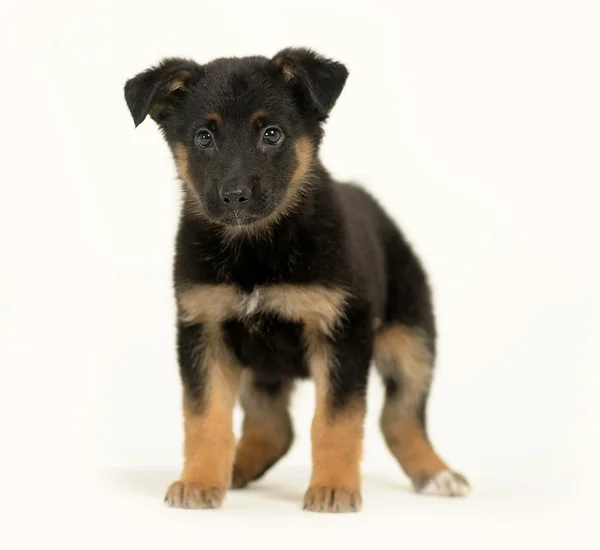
(267, 431)
(404, 358)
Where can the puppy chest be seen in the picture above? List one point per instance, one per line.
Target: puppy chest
(314, 306)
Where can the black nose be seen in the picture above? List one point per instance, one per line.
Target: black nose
(235, 195)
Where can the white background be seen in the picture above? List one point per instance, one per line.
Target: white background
(476, 123)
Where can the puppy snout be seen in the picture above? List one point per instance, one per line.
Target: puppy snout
(235, 194)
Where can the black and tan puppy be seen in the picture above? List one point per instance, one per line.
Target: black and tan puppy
(282, 273)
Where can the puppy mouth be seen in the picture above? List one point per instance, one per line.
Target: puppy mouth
(239, 218)
(242, 217)
(260, 210)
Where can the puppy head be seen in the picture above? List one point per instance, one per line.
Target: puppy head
(244, 132)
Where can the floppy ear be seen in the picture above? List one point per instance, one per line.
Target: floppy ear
(317, 80)
(156, 89)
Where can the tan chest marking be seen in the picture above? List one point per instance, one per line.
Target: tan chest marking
(313, 305)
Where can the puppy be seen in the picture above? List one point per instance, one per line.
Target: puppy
(282, 273)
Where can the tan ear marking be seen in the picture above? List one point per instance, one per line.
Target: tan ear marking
(175, 82)
(178, 81)
(286, 69)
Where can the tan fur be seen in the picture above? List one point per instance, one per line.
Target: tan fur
(407, 441)
(337, 448)
(181, 157)
(178, 81)
(215, 117)
(336, 438)
(208, 427)
(286, 68)
(209, 440)
(332, 500)
(257, 115)
(402, 353)
(266, 432)
(288, 72)
(311, 304)
(304, 155)
(209, 303)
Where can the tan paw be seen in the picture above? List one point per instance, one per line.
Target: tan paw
(446, 484)
(191, 495)
(332, 500)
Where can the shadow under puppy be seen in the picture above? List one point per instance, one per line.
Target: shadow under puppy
(282, 273)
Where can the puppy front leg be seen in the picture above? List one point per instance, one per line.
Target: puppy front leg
(210, 378)
(340, 366)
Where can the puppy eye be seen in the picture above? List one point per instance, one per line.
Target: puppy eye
(204, 138)
(272, 135)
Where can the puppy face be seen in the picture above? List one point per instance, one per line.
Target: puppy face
(244, 132)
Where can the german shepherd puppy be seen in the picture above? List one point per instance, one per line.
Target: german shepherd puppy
(282, 273)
